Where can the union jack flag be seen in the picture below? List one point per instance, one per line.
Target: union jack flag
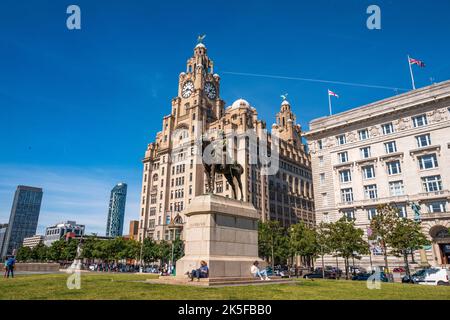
(331, 93)
(418, 62)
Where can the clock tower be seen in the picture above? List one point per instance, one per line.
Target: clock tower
(198, 92)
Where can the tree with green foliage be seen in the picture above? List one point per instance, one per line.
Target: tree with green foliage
(55, 251)
(69, 251)
(178, 249)
(164, 251)
(324, 245)
(39, 252)
(24, 254)
(382, 226)
(272, 241)
(347, 241)
(406, 235)
(149, 251)
(303, 242)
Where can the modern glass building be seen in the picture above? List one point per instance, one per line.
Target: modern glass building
(3, 229)
(116, 213)
(23, 219)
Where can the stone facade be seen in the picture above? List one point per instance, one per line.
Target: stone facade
(172, 167)
(393, 151)
(224, 233)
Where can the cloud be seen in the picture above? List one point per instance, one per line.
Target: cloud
(71, 193)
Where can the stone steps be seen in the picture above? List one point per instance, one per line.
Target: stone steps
(215, 282)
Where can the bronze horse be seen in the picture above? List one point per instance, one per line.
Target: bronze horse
(229, 171)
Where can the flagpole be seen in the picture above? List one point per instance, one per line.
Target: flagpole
(411, 72)
(329, 102)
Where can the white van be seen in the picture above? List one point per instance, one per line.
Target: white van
(432, 276)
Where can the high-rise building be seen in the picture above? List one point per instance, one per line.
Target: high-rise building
(134, 230)
(23, 219)
(116, 213)
(3, 229)
(395, 151)
(173, 172)
(62, 230)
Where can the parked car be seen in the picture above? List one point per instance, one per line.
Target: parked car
(364, 276)
(356, 269)
(430, 276)
(318, 274)
(399, 270)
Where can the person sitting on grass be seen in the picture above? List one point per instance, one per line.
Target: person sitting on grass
(201, 272)
(257, 272)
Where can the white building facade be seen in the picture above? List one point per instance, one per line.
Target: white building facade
(61, 230)
(394, 151)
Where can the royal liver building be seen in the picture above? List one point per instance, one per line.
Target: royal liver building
(277, 168)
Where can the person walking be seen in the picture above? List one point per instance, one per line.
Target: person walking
(5, 267)
(10, 264)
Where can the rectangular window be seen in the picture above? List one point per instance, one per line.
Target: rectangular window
(371, 213)
(345, 176)
(390, 147)
(402, 211)
(324, 199)
(370, 191)
(396, 188)
(420, 121)
(320, 144)
(363, 134)
(423, 140)
(349, 214)
(368, 172)
(432, 183)
(428, 161)
(436, 206)
(321, 161)
(343, 157)
(322, 178)
(388, 128)
(347, 195)
(341, 139)
(365, 152)
(394, 167)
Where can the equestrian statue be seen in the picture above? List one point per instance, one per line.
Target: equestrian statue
(230, 171)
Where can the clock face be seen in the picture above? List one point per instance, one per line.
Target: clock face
(210, 90)
(187, 89)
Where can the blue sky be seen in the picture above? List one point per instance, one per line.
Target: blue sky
(79, 107)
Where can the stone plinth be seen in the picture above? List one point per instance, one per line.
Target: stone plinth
(224, 233)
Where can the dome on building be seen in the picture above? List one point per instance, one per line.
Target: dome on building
(285, 103)
(239, 103)
(200, 45)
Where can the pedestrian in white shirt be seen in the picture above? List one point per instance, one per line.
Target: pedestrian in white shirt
(256, 272)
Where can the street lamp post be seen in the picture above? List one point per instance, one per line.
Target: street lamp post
(142, 248)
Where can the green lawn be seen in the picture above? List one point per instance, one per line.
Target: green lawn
(124, 286)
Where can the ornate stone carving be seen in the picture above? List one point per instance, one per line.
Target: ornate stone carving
(440, 115)
(351, 137)
(404, 124)
(374, 131)
(329, 142)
